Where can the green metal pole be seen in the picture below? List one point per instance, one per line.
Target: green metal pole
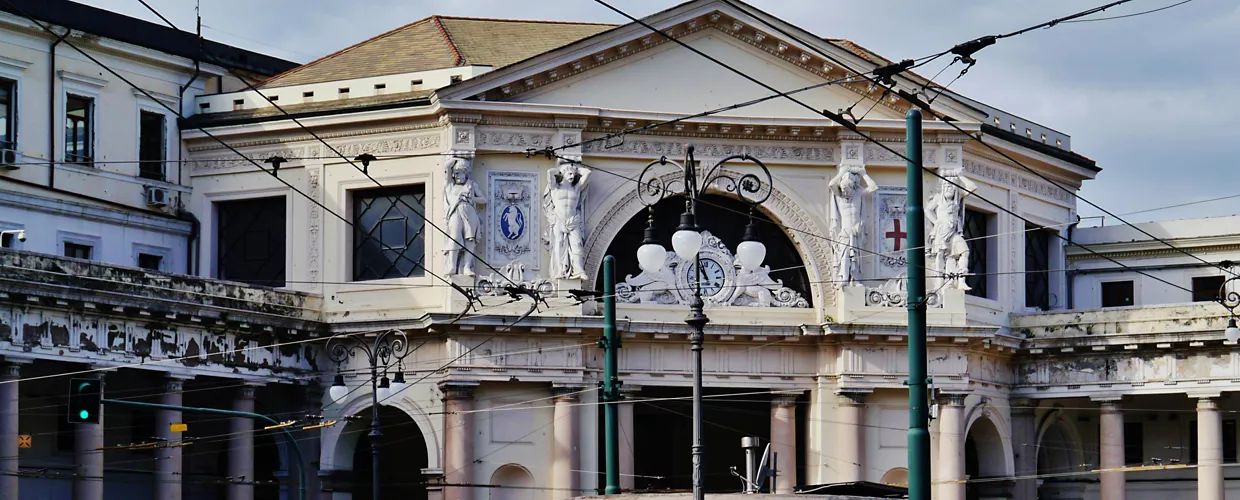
(918, 406)
(611, 378)
(301, 472)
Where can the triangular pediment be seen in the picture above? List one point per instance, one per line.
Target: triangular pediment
(632, 68)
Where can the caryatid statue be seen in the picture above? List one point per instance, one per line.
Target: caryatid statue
(849, 188)
(566, 221)
(461, 197)
(946, 246)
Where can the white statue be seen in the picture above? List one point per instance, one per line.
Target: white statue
(752, 283)
(461, 197)
(949, 252)
(566, 228)
(849, 188)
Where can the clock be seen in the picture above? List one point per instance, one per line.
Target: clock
(713, 276)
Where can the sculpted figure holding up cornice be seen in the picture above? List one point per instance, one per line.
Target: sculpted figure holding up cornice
(461, 197)
(948, 250)
(849, 188)
(566, 221)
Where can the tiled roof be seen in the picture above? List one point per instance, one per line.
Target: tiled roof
(440, 42)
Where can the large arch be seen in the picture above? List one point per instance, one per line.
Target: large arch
(339, 443)
(985, 457)
(1059, 450)
(402, 458)
(782, 207)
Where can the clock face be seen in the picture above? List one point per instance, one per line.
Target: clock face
(711, 275)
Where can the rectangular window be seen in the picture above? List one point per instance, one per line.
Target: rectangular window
(1117, 294)
(1207, 288)
(77, 250)
(151, 145)
(975, 235)
(8, 114)
(388, 232)
(79, 133)
(149, 261)
(1134, 443)
(1037, 267)
(251, 240)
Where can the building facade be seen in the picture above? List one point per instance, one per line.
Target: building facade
(457, 179)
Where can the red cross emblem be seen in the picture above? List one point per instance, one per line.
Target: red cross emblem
(896, 234)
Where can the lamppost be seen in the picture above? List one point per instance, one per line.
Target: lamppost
(389, 346)
(1230, 300)
(652, 188)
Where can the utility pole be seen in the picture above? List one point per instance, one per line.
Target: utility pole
(918, 406)
(611, 378)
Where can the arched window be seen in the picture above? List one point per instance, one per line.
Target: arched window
(722, 216)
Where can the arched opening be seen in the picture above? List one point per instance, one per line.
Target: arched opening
(726, 218)
(402, 456)
(1056, 455)
(983, 458)
(513, 483)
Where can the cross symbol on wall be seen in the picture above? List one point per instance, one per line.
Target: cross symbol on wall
(897, 234)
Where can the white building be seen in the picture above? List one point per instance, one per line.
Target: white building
(1036, 387)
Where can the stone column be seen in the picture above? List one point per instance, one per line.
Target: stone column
(241, 449)
(1024, 445)
(9, 427)
(784, 441)
(87, 458)
(1209, 450)
(849, 437)
(168, 460)
(625, 413)
(458, 446)
(951, 447)
(564, 462)
(1111, 446)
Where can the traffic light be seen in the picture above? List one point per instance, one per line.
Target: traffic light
(85, 398)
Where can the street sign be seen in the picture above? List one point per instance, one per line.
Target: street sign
(24, 441)
(178, 427)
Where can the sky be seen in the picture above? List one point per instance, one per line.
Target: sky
(1147, 97)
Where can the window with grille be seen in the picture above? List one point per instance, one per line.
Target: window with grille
(976, 236)
(1037, 268)
(1207, 288)
(1117, 294)
(150, 261)
(250, 240)
(8, 114)
(151, 145)
(79, 129)
(389, 232)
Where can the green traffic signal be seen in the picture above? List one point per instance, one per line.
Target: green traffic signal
(85, 398)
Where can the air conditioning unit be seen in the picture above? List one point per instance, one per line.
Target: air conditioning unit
(156, 196)
(8, 159)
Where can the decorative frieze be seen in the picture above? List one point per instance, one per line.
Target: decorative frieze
(1003, 176)
(675, 149)
(513, 141)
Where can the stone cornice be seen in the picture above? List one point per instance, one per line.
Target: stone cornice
(289, 139)
(1155, 249)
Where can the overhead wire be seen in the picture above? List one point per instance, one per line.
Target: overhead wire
(951, 122)
(865, 136)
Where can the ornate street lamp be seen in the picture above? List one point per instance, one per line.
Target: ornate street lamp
(652, 187)
(1230, 300)
(389, 346)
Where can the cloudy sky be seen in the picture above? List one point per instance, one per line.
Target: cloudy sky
(1145, 96)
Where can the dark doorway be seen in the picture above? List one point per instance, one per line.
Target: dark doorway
(725, 218)
(402, 458)
(664, 435)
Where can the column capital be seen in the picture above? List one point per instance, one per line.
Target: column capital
(1207, 404)
(246, 392)
(785, 398)
(628, 392)
(457, 390)
(566, 393)
(952, 398)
